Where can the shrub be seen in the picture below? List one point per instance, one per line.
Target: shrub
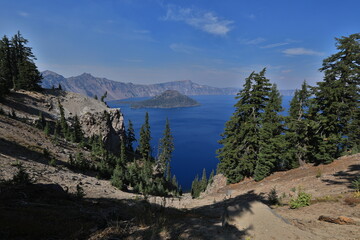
(79, 192)
(303, 199)
(356, 184)
(273, 196)
(21, 177)
(52, 162)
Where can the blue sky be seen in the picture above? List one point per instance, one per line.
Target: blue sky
(214, 42)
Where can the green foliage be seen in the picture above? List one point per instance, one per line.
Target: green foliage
(40, 123)
(252, 140)
(52, 162)
(166, 147)
(356, 183)
(79, 162)
(130, 137)
(79, 192)
(96, 97)
(21, 177)
(203, 182)
(303, 199)
(211, 177)
(103, 97)
(273, 196)
(17, 67)
(336, 103)
(195, 187)
(118, 177)
(271, 137)
(77, 134)
(47, 128)
(145, 137)
(298, 132)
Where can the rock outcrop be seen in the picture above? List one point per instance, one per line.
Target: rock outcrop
(109, 124)
(95, 116)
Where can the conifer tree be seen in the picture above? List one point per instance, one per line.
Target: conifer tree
(272, 141)
(40, 123)
(241, 138)
(337, 101)
(77, 132)
(5, 66)
(195, 187)
(103, 97)
(298, 130)
(145, 138)
(211, 177)
(24, 71)
(130, 137)
(166, 147)
(63, 124)
(204, 181)
(118, 177)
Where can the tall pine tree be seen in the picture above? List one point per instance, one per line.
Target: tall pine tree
(241, 138)
(298, 130)
(337, 101)
(5, 66)
(130, 137)
(145, 138)
(166, 147)
(272, 142)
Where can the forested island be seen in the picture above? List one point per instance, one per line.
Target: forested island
(168, 99)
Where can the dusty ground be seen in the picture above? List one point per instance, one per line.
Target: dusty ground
(107, 213)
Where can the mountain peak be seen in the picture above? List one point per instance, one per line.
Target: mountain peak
(86, 75)
(50, 73)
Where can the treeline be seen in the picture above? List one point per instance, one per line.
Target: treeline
(322, 125)
(17, 67)
(132, 169)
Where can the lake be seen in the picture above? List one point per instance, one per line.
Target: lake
(196, 132)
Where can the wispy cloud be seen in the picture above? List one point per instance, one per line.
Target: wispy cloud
(254, 41)
(23, 14)
(301, 51)
(274, 45)
(179, 47)
(204, 20)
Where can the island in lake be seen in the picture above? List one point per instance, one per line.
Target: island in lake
(167, 99)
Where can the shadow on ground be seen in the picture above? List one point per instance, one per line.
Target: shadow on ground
(46, 211)
(345, 177)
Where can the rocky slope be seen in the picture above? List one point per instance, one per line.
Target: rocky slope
(89, 85)
(47, 209)
(95, 116)
(167, 99)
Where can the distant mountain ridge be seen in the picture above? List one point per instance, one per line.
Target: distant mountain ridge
(89, 85)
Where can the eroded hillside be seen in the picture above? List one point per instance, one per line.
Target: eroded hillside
(51, 207)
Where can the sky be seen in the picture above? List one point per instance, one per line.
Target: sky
(213, 42)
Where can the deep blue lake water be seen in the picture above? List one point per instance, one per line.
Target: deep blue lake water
(196, 132)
